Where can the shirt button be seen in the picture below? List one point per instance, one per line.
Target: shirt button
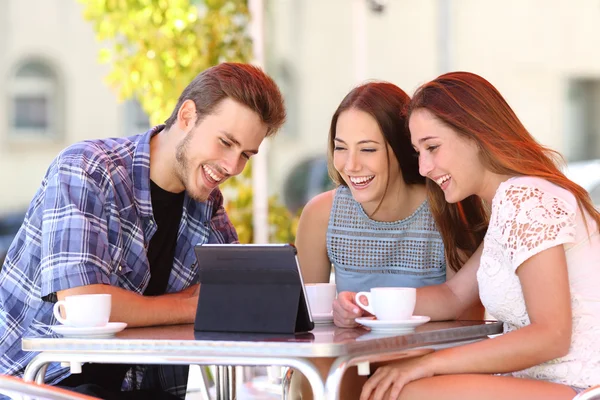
(120, 268)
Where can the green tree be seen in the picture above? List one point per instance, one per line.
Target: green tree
(283, 224)
(156, 47)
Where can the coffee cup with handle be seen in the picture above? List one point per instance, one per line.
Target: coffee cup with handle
(389, 303)
(84, 311)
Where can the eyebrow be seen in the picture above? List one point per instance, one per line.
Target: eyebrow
(360, 142)
(426, 138)
(233, 140)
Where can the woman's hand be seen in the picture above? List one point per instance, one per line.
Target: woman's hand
(393, 377)
(345, 310)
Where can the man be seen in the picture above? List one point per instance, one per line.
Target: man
(122, 216)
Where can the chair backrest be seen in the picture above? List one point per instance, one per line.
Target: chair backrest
(16, 389)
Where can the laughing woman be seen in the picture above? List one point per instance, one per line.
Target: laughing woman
(376, 227)
(537, 268)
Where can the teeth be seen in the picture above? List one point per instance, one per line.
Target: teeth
(440, 181)
(361, 179)
(211, 173)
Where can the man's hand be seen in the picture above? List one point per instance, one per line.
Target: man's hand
(345, 310)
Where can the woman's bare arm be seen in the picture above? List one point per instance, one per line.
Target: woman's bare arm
(311, 239)
(451, 299)
(545, 283)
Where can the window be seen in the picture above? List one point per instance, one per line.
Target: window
(35, 109)
(306, 180)
(582, 122)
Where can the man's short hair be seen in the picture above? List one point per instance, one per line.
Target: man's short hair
(244, 83)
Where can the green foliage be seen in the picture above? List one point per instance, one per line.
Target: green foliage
(156, 47)
(283, 225)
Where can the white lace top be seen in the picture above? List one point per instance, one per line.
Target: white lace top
(528, 216)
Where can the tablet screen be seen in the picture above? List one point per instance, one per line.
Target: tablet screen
(251, 287)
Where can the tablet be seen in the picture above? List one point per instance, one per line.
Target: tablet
(251, 288)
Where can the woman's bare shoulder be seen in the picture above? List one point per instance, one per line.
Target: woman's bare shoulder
(319, 207)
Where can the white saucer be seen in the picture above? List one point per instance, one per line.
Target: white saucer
(393, 326)
(105, 331)
(322, 318)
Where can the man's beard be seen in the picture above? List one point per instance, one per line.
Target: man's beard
(182, 169)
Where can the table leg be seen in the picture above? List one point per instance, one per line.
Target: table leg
(220, 383)
(36, 369)
(205, 381)
(41, 375)
(232, 381)
(225, 382)
(286, 382)
(306, 367)
(310, 372)
(334, 379)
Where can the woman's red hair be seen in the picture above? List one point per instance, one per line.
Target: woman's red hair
(474, 108)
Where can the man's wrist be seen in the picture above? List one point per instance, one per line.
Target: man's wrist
(187, 303)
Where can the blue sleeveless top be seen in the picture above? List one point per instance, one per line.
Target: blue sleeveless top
(367, 253)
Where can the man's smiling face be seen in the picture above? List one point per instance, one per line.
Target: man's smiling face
(218, 147)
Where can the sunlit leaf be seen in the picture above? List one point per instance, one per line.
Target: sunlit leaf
(104, 56)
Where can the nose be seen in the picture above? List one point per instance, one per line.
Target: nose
(228, 163)
(425, 165)
(352, 163)
(233, 164)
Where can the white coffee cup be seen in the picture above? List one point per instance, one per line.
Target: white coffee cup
(320, 297)
(389, 303)
(84, 311)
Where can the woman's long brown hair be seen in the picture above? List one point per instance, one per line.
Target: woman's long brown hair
(474, 109)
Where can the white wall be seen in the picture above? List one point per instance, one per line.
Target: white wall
(55, 31)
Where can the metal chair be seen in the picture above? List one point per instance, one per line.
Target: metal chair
(592, 393)
(18, 389)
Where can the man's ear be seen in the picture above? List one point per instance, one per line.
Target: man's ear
(186, 116)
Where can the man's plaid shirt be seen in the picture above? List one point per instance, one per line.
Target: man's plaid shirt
(90, 222)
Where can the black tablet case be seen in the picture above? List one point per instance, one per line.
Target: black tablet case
(250, 288)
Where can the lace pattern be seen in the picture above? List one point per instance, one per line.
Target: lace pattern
(527, 219)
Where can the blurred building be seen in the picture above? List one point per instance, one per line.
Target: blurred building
(51, 93)
(541, 54)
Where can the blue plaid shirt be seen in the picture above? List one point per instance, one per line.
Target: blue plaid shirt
(91, 222)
